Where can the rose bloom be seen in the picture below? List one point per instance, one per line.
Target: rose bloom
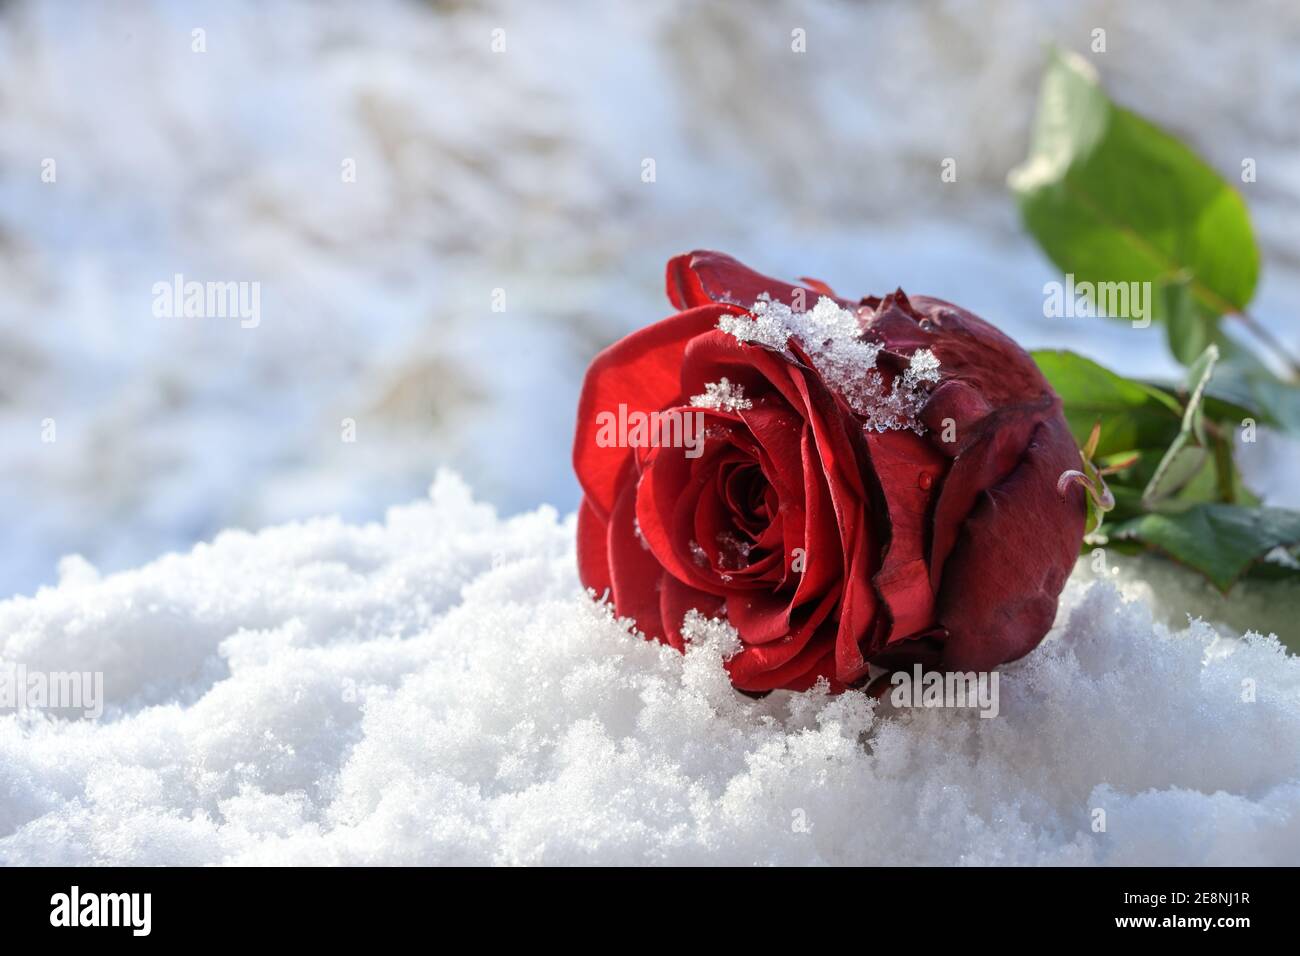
(847, 483)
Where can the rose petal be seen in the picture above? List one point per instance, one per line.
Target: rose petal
(780, 664)
(593, 554)
(952, 416)
(818, 526)
(908, 471)
(985, 462)
(676, 599)
(1005, 574)
(843, 464)
(667, 498)
(759, 617)
(761, 372)
(978, 353)
(634, 572)
(696, 278)
(778, 432)
(642, 372)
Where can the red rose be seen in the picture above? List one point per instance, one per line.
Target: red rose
(848, 483)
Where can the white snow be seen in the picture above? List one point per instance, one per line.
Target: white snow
(832, 338)
(436, 689)
(724, 395)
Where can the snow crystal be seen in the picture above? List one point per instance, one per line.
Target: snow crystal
(438, 689)
(832, 338)
(711, 637)
(723, 395)
(898, 407)
(640, 535)
(770, 325)
(734, 551)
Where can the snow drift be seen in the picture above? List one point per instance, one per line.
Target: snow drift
(437, 689)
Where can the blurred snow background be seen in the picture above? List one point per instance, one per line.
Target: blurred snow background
(518, 171)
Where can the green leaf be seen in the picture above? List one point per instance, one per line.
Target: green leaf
(1244, 387)
(1188, 328)
(1221, 541)
(1112, 198)
(1221, 405)
(1133, 415)
(1182, 462)
(1198, 467)
(1248, 384)
(1198, 377)
(1229, 486)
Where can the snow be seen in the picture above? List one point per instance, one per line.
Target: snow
(831, 336)
(899, 407)
(723, 395)
(436, 688)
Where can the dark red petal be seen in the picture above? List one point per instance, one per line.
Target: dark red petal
(634, 572)
(843, 467)
(981, 355)
(1015, 551)
(818, 526)
(822, 668)
(696, 278)
(952, 416)
(897, 326)
(643, 372)
(593, 553)
(744, 492)
(714, 527)
(985, 462)
(908, 471)
(752, 669)
(759, 617)
(675, 599)
(759, 371)
(777, 430)
(925, 649)
(858, 608)
(668, 494)
(780, 664)
(819, 286)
